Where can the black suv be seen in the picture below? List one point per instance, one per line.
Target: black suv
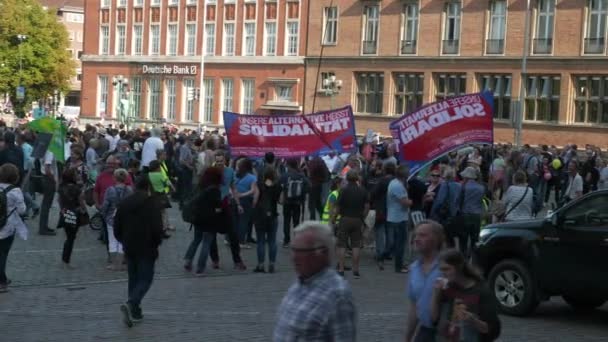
(564, 254)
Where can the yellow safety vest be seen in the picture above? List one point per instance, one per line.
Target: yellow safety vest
(326, 214)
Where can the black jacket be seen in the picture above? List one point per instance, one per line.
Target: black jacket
(138, 225)
(212, 215)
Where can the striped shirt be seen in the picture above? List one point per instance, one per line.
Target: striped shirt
(523, 210)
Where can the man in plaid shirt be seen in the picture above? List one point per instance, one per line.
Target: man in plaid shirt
(319, 306)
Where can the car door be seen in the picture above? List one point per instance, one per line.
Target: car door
(583, 241)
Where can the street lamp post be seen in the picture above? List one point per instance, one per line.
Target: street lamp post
(332, 88)
(121, 84)
(20, 90)
(519, 118)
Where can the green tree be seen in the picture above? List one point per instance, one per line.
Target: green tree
(33, 53)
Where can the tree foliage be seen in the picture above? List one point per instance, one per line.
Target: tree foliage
(41, 62)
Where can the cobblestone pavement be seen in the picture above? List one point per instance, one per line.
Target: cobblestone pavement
(47, 303)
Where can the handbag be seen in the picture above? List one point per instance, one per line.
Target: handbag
(89, 199)
(83, 217)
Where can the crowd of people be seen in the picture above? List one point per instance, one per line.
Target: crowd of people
(129, 178)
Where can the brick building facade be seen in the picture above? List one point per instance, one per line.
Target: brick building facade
(394, 55)
(186, 61)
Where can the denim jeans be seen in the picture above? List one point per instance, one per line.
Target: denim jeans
(291, 218)
(244, 220)
(48, 188)
(267, 235)
(141, 274)
(209, 247)
(385, 237)
(5, 247)
(400, 233)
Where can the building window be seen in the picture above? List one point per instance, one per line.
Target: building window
(227, 94)
(283, 93)
(105, 3)
(121, 39)
(270, 40)
(542, 98)
(330, 23)
(136, 96)
(138, 41)
(595, 39)
(122, 3)
(450, 85)
(591, 102)
(154, 98)
(369, 92)
(370, 29)
(249, 41)
(155, 3)
(171, 98)
(104, 48)
(545, 15)
(190, 39)
(409, 34)
(103, 95)
(408, 92)
(451, 29)
(188, 94)
(248, 96)
(138, 3)
(154, 39)
(210, 41)
(172, 39)
(209, 93)
(326, 77)
(500, 86)
(229, 39)
(497, 27)
(292, 38)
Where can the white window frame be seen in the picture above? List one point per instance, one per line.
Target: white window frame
(138, 3)
(330, 26)
(249, 38)
(547, 11)
(248, 96)
(452, 13)
(601, 13)
(121, 3)
(501, 85)
(170, 99)
(172, 39)
(136, 91)
(154, 97)
(188, 104)
(270, 39)
(104, 40)
(209, 39)
(190, 39)
(208, 96)
(411, 21)
(292, 40)
(498, 20)
(227, 95)
(121, 39)
(154, 46)
(371, 28)
(103, 84)
(155, 3)
(138, 40)
(229, 42)
(105, 3)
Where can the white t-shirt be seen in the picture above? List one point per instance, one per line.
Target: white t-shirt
(574, 185)
(49, 159)
(523, 210)
(148, 153)
(112, 141)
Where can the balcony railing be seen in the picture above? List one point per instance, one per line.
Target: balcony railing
(408, 47)
(594, 45)
(450, 47)
(369, 47)
(495, 46)
(542, 45)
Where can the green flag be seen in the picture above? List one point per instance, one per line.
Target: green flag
(57, 129)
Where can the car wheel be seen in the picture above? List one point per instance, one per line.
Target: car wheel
(513, 288)
(583, 303)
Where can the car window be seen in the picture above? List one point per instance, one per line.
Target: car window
(588, 213)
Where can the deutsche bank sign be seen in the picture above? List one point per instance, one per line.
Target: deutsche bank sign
(169, 70)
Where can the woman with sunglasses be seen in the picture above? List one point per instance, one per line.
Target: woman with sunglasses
(432, 188)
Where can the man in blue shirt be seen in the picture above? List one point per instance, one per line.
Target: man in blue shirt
(472, 209)
(428, 241)
(448, 198)
(397, 213)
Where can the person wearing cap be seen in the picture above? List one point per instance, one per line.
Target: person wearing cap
(124, 153)
(471, 208)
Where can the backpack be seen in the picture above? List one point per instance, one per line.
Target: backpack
(190, 207)
(4, 213)
(295, 188)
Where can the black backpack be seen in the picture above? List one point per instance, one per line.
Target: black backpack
(190, 207)
(4, 213)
